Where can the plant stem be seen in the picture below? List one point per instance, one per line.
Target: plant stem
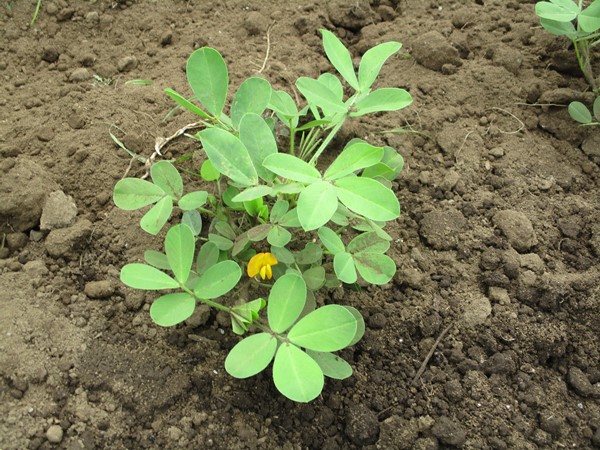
(326, 142)
(204, 300)
(292, 139)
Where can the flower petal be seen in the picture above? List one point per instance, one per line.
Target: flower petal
(255, 264)
(270, 259)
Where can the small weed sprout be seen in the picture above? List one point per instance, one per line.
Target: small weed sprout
(276, 221)
(569, 18)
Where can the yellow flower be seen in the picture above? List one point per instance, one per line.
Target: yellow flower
(260, 264)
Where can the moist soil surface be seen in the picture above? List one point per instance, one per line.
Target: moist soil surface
(497, 293)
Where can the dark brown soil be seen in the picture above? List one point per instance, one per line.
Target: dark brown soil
(499, 241)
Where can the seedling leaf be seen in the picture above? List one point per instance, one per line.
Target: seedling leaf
(258, 139)
(132, 193)
(208, 171)
(179, 247)
(596, 108)
(291, 167)
(314, 277)
(286, 302)
(559, 10)
(253, 193)
(360, 325)
(327, 329)
(385, 99)
(207, 75)
(368, 242)
(218, 280)
(353, 158)
(310, 254)
(251, 355)
(207, 257)
(157, 259)
(229, 156)
(193, 200)
(320, 95)
(316, 205)
(331, 240)
(332, 366)
(296, 375)
(192, 219)
(368, 197)
(372, 61)
(375, 268)
(278, 236)
(142, 276)
(340, 58)
(157, 217)
(589, 18)
(171, 309)
(579, 112)
(278, 210)
(186, 104)
(252, 96)
(343, 265)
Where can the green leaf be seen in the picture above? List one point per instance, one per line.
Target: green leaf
(207, 75)
(316, 205)
(208, 171)
(340, 58)
(385, 99)
(379, 170)
(229, 156)
(319, 94)
(207, 257)
(310, 254)
(368, 197)
(360, 325)
(596, 108)
(286, 302)
(157, 259)
(224, 229)
(279, 209)
(141, 276)
(259, 232)
(240, 245)
(290, 219)
(251, 355)
(559, 10)
(260, 142)
(283, 255)
(133, 193)
(372, 61)
(343, 265)
(193, 200)
(186, 104)
(375, 268)
(253, 193)
(172, 309)
(291, 167)
(368, 242)
(331, 240)
(589, 18)
(559, 28)
(334, 84)
(157, 217)
(326, 329)
(218, 280)
(252, 96)
(296, 375)
(332, 366)
(192, 219)
(228, 195)
(278, 236)
(579, 112)
(287, 188)
(314, 277)
(353, 158)
(285, 108)
(179, 247)
(221, 242)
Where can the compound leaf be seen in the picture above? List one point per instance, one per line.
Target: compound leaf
(165, 175)
(319, 94)
(559, 10)
(278, 236)
(331, 240)
(258, 139)
(354, 157)
(291, 167)
(193, 200)
(368, 242)
(314, 277)
(589, 18)
(343, 265)
(375, 268)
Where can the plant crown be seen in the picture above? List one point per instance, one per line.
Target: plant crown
(274, 215)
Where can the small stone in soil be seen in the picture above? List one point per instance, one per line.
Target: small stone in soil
(517, 228)
(127, 63)
(500, 363)
(99, 289)
(449, 432)
(80, 74)
(362, 426)
(54, 434)
(50, 54)
(579, 381)
(59, 211)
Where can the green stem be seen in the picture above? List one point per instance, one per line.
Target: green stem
(208, 302)
(326, 142)
(206, 211)
(292, 139)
